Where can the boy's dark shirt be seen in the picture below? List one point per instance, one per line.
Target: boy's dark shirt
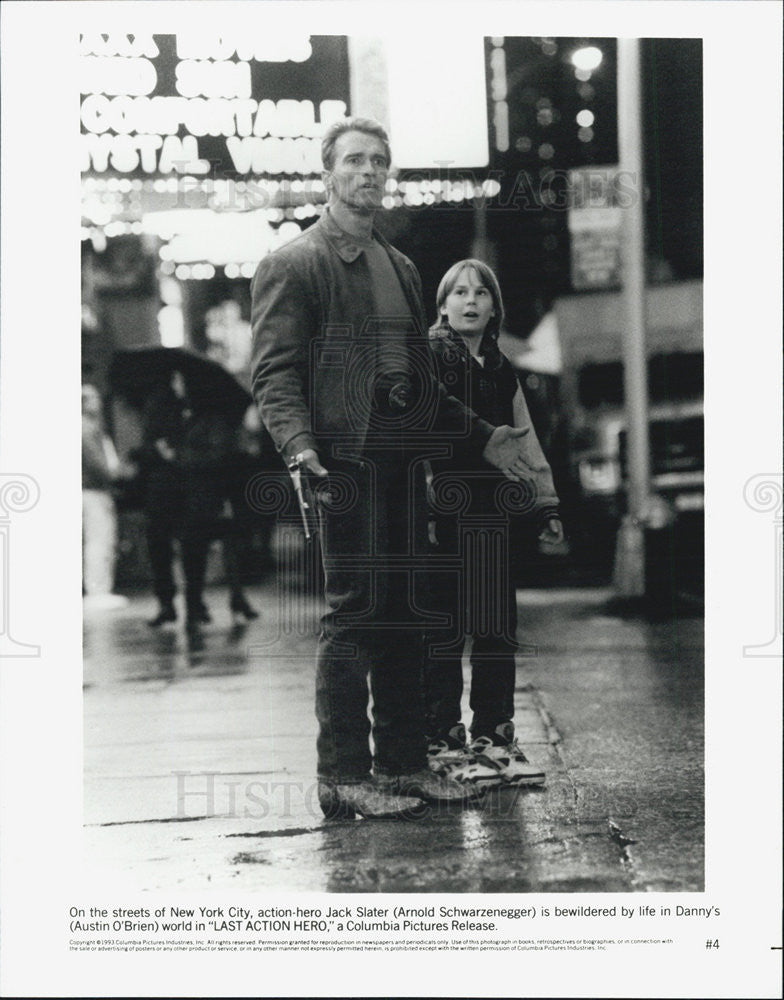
(487, 389)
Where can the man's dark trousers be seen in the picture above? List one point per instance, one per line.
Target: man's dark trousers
(373, 520)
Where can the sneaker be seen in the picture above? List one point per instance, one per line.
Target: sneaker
(505, 752)
(428, 786)
(451, 758)
(366, 799)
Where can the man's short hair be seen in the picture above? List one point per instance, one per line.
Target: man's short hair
(367, 125)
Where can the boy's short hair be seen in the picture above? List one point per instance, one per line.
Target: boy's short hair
(367, 125)
(488, 279)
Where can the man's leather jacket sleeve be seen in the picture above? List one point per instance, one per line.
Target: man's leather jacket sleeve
(452, 414)
(284, 323)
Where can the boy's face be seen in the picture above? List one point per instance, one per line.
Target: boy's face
(469, 305)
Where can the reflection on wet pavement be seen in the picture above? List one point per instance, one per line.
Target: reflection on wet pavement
(199, 761)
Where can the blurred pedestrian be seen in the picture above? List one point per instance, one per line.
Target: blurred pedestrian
(216, 471)
(176, 505)
(190, 465)
(465, 343)
(101, 468)
(244, 526)
(338, 326)
(166, 413)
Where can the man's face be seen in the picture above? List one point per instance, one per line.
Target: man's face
(359, 173)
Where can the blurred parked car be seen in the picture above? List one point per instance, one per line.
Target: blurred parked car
(592, 397)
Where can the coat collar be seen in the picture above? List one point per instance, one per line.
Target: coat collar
(490, 350)
(347, 247)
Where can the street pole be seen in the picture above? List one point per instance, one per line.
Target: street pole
(630, 551)
(482, 247)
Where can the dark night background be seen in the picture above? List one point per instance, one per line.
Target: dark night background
(533, 246)
(532, 251)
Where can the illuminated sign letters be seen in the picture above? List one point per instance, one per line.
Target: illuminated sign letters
(190, 103)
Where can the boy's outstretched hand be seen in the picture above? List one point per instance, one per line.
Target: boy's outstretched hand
(504, 451)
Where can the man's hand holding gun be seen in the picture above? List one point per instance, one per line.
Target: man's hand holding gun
(303, 464)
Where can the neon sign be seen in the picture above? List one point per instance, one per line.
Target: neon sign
(195, 104)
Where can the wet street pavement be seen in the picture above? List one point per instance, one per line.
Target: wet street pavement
(199, 759)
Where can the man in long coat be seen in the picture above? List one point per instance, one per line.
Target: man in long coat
(346, 387)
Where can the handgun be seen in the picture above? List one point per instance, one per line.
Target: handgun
(299, 478)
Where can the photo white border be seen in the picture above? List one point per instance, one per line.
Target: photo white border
(40, 825)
